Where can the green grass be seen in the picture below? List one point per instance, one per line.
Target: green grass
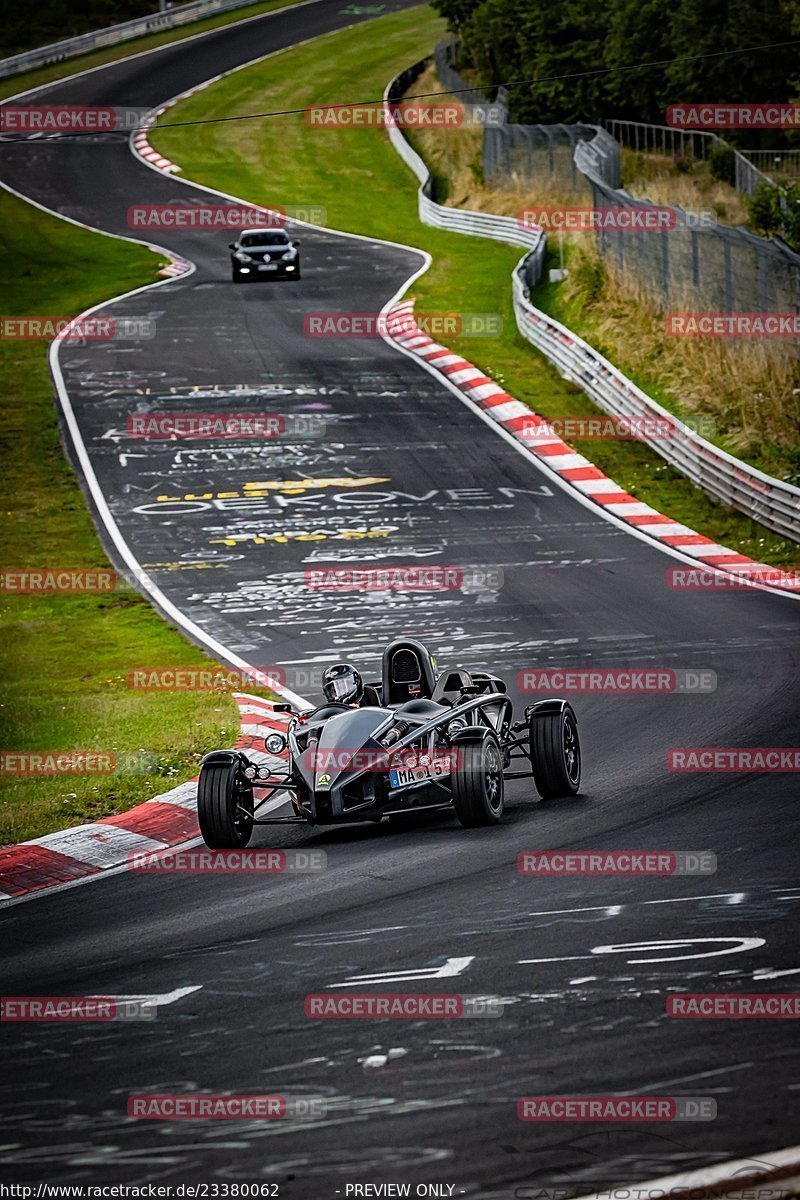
(98, 58)
(366, 188)
(64, 658)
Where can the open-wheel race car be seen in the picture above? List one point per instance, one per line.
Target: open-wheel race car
(416, 741)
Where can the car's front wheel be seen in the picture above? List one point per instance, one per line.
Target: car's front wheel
(477, 779)
(555, 750)
(225, 806)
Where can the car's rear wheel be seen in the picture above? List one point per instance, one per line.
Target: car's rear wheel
(225, 806)
(555, 752)
(477, 781)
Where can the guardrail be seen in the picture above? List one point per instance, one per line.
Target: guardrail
(112, 34)
(457, 220)
(770, 501)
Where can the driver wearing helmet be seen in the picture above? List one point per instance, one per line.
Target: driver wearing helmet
(342, 684)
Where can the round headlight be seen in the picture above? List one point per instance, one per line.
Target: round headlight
(275, 743)
(250, 772)
(454, 726)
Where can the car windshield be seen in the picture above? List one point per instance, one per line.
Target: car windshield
(263, 239)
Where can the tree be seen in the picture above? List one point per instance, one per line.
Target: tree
(639, 32)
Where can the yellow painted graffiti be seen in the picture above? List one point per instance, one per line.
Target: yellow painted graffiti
(287, 535)
(289, 487)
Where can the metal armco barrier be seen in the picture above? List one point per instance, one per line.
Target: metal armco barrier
(770, 501)
(735, 483)
(71, 47)
(477, 224)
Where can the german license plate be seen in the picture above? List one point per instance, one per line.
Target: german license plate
(404, 775)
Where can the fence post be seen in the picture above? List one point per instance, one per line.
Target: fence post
(728, 275)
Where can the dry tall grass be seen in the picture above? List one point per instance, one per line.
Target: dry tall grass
(749, 390)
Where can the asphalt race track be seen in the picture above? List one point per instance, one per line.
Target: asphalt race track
(405, 473)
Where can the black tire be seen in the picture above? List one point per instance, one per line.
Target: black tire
(555, 753)
(222, 792)
(236, 278)
(477, 783)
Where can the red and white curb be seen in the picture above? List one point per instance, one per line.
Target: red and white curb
(142, 146)
(531, 431)
(143, 149)
(140, 143)
(167, 820)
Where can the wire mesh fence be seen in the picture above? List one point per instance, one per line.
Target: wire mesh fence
(696, 263)
(774, 502)
(692, 263)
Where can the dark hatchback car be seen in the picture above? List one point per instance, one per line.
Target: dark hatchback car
(264, 254)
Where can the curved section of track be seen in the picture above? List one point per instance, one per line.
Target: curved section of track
(405, 474)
